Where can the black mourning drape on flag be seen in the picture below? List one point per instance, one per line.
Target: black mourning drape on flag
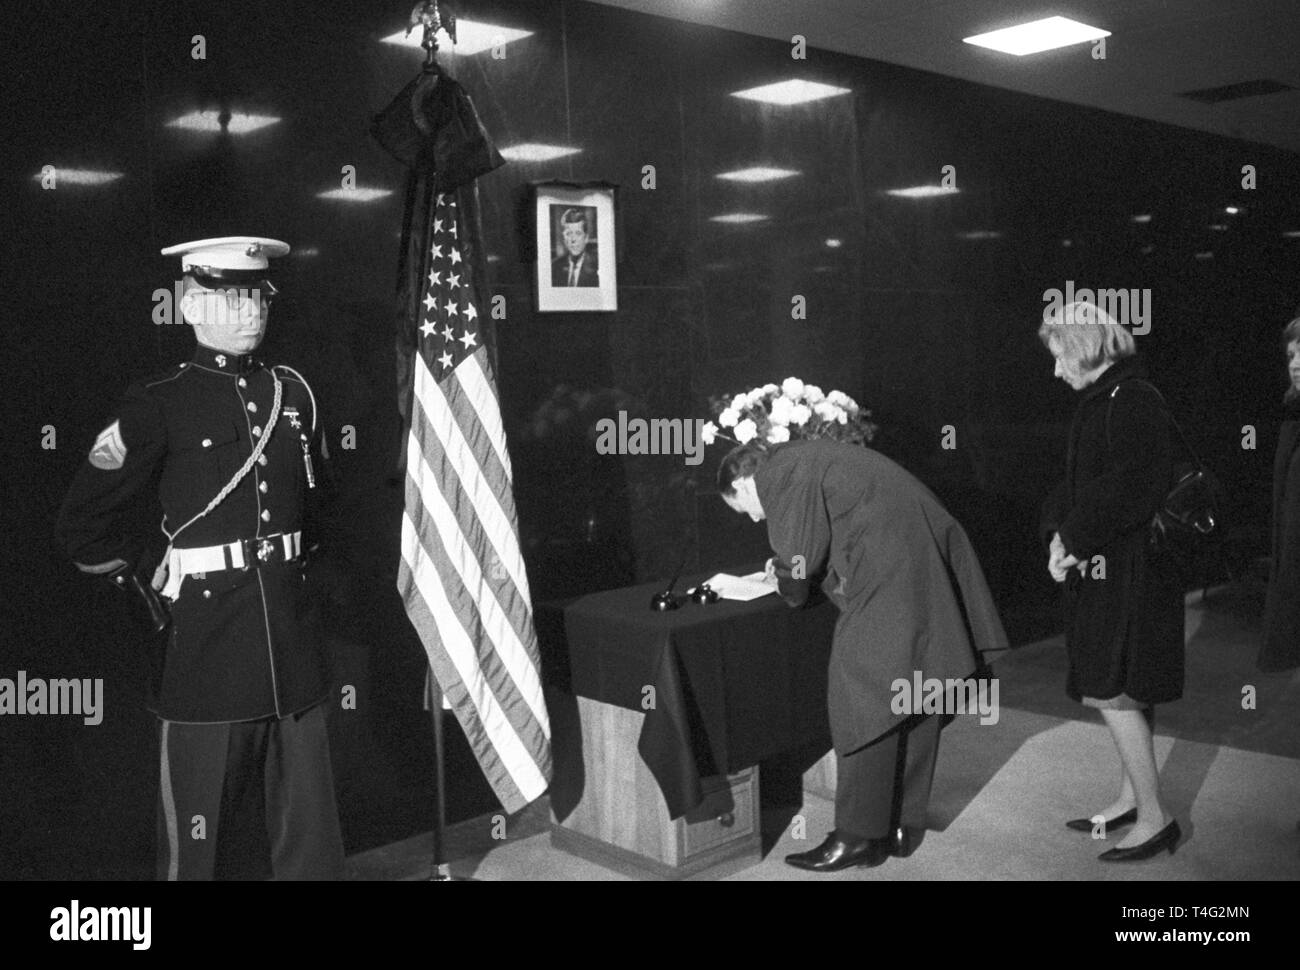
(431, 127)
(462, 576)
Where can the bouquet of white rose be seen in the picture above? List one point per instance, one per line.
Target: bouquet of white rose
(793, 411)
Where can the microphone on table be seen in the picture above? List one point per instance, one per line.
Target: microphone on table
(704, 593)
(667, 600)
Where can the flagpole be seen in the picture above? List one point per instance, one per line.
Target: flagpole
(432, 20)
(408, 131)
(440, 788)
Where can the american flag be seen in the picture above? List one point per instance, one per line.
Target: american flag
(462, 574)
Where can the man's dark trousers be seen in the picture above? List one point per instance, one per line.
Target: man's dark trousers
(206, 770)
(887, 783)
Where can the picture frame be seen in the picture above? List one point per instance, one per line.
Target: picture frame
(576, 247)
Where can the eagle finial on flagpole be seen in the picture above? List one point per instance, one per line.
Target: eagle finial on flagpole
(433, 19)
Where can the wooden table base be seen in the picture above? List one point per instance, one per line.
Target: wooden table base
(621, 819)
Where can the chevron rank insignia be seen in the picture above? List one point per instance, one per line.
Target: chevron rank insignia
(109, 450)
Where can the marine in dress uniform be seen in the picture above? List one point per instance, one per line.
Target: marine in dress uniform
(232, 444)
(912, 599)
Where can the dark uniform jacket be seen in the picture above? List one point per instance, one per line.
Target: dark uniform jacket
(909, 588)
(1123, 631)
(237, 650)
(1281, 647)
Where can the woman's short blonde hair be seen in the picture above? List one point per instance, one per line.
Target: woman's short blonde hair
(1086, 335)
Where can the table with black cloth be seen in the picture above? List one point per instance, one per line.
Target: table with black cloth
(721, 686)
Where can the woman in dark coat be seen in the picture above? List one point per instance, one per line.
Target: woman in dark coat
(913, 602)
(1281, 647)
(1123, 603)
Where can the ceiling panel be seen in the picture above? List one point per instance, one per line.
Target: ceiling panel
(1158, 49)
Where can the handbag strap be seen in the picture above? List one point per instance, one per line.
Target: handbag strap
(1187, 446)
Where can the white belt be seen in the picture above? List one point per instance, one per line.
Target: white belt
(232, 555)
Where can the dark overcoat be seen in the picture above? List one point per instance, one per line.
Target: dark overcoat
(1124, 613)
(910, 591)
(237, 647)
(1281, 646)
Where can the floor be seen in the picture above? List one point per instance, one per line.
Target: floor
(1229, 754)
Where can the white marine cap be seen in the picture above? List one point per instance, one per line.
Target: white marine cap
(228, 259)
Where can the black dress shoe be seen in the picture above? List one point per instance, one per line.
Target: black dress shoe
(835, 854)
(1166, 838)
(904, 840)
(1086, 824)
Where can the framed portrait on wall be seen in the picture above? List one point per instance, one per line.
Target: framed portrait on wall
(576, 246)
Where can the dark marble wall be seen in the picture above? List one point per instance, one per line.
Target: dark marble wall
(910, 316)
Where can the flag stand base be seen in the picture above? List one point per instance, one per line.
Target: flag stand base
(439, 870)
(441, 873)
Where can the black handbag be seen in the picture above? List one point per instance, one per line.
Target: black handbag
(1189, 514)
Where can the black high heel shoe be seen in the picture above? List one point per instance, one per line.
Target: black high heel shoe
(1166, 838)
(1086, 824)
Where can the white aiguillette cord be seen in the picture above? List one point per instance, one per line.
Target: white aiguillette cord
(173, 577)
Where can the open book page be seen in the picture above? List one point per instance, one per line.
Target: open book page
(742, 588)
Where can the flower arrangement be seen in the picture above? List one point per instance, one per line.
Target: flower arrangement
(793, 411)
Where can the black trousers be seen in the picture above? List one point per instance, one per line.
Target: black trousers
(207, 769)
(887, 783)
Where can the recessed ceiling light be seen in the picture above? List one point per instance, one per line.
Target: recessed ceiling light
(354, 195)
(1206, 255)
(79, 176)
(980, 234)
(758, 173)
(738, 218)
(1067, 243)
(922, 191)
(536, 152)
(1231, 210)
(240, 123)
(1292, 234)
(472, 37)
(790, 92)
(834, 243)
(1143, 218)
(1037, 36)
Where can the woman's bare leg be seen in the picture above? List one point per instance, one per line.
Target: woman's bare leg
(1131, 731)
